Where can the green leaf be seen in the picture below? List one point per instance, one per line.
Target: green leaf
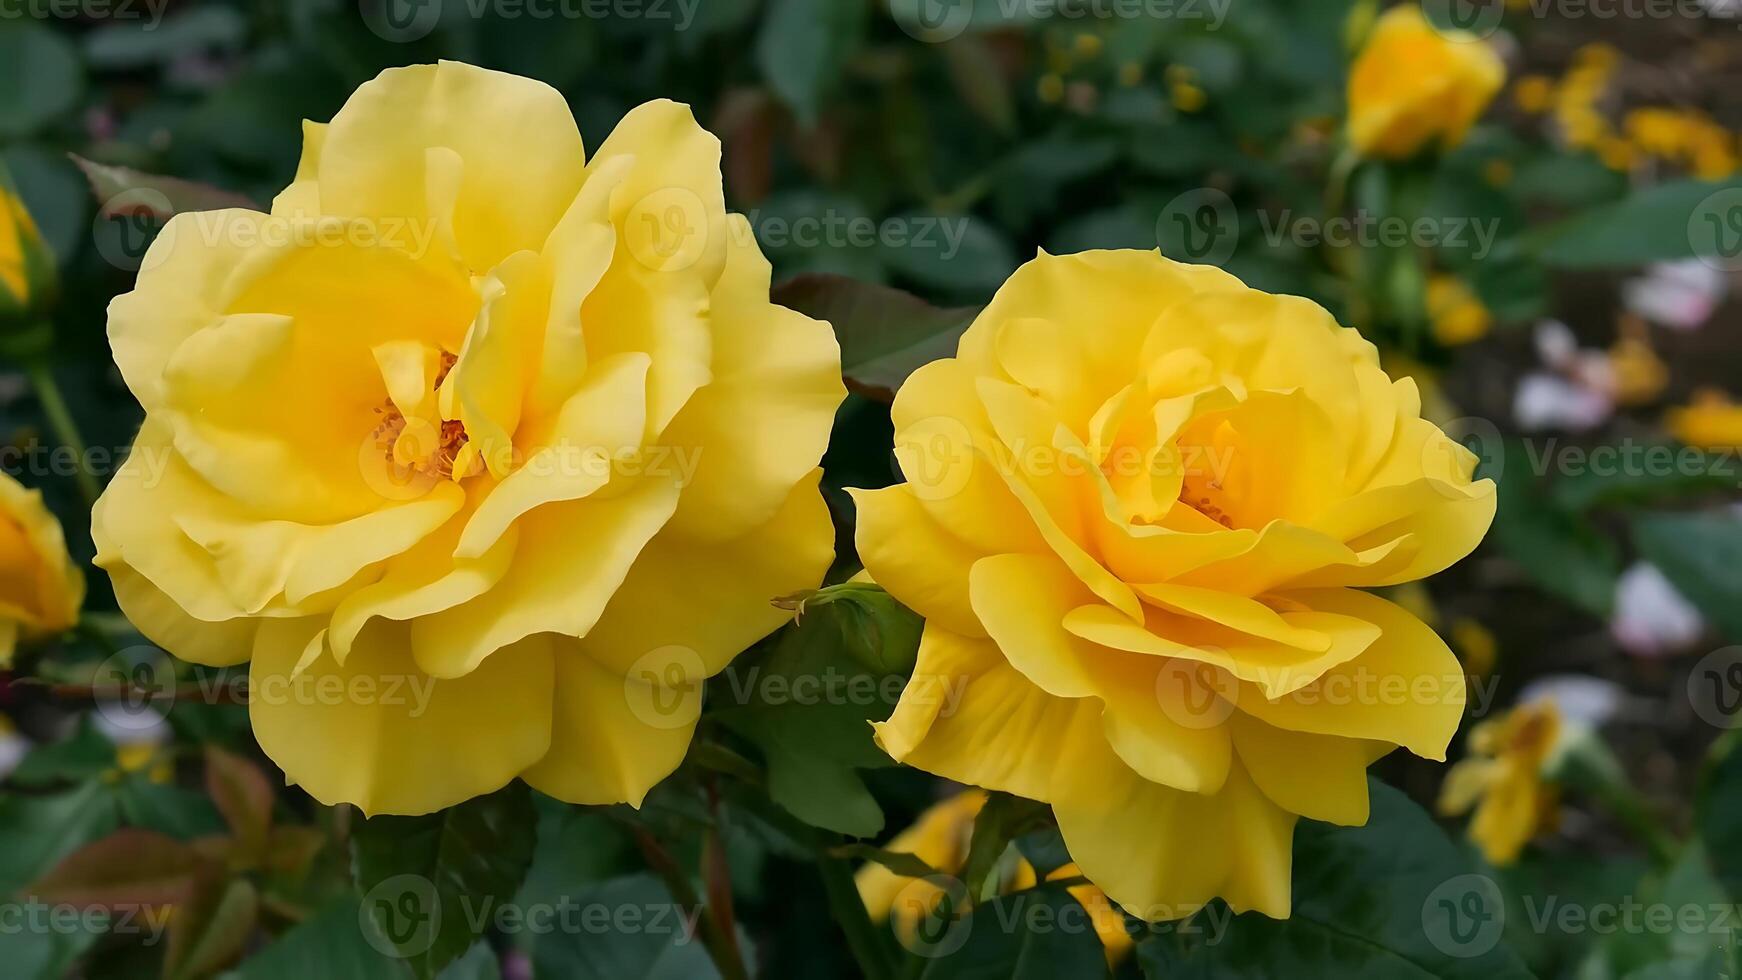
(210, 930)
(1663, 472)
(131, 43)
(41, 954)
(900, 862)
(821, 791)
(649, 939)
(884, 333)
(878, 631)
(1699, 554)
(124, 191)
(999, 823)
(244, 796)
(181, 813)
(1038, 934)
(1394, 898)
(130, 867)
(337, 943)
(980, 81)
(41, 79)
(1558, 548)
(1638, 951)
(1656, 224)
(41, 830)
(802, 47)
(479, 963)
(86, 755)
(1718, 815)
(429, 881)
(959, 253)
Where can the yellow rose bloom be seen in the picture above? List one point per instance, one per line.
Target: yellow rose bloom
(1138, 501)
(940, 838)
(483, 453)
(1413, 83)
(1502, 779)
(40, 587)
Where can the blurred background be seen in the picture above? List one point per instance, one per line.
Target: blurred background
(1559, 278)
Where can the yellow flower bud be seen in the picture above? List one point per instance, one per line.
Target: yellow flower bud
(1413, 84)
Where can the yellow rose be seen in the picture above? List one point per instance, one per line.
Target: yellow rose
(1503, 780)
(27, 272)
(40, 587)
(1413, 83)
(1138, 501)
(484, 453)
(940, 838)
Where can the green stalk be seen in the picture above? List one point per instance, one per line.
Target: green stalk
(66, 430)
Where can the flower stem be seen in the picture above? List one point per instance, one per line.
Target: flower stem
(863, 938)
(60, 419)
(721, 948)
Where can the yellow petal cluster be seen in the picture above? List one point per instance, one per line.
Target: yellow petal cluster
(1503, 781)
(1139, 505)
(483, 452)
(40, 587)
(1414, 84)
(941, 837)
(1455, 312)
(27, 282)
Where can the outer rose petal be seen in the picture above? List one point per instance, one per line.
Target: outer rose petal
(373, 740)
(763, 421)
(164, 623)
(612, 737)
(713, 598)
(968, 715)
(911, 556)
(1406, 689)
(519, 153)
(1162, 853)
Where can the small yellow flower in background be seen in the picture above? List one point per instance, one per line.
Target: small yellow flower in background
(940, 838)
(1413, 84)
(1503, 780)
(1087, 45)
(1637, 374)
(1710, 421)
(1141, 503)
(1131, 74)
(27, 271)
(1455, 311)
(1051, 88)
(1576, 97)
(40, 587)
(1685, 136)
(1477, 648)
(482, 453)
(143, 757)
(1533, 93)
(1183, 89)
